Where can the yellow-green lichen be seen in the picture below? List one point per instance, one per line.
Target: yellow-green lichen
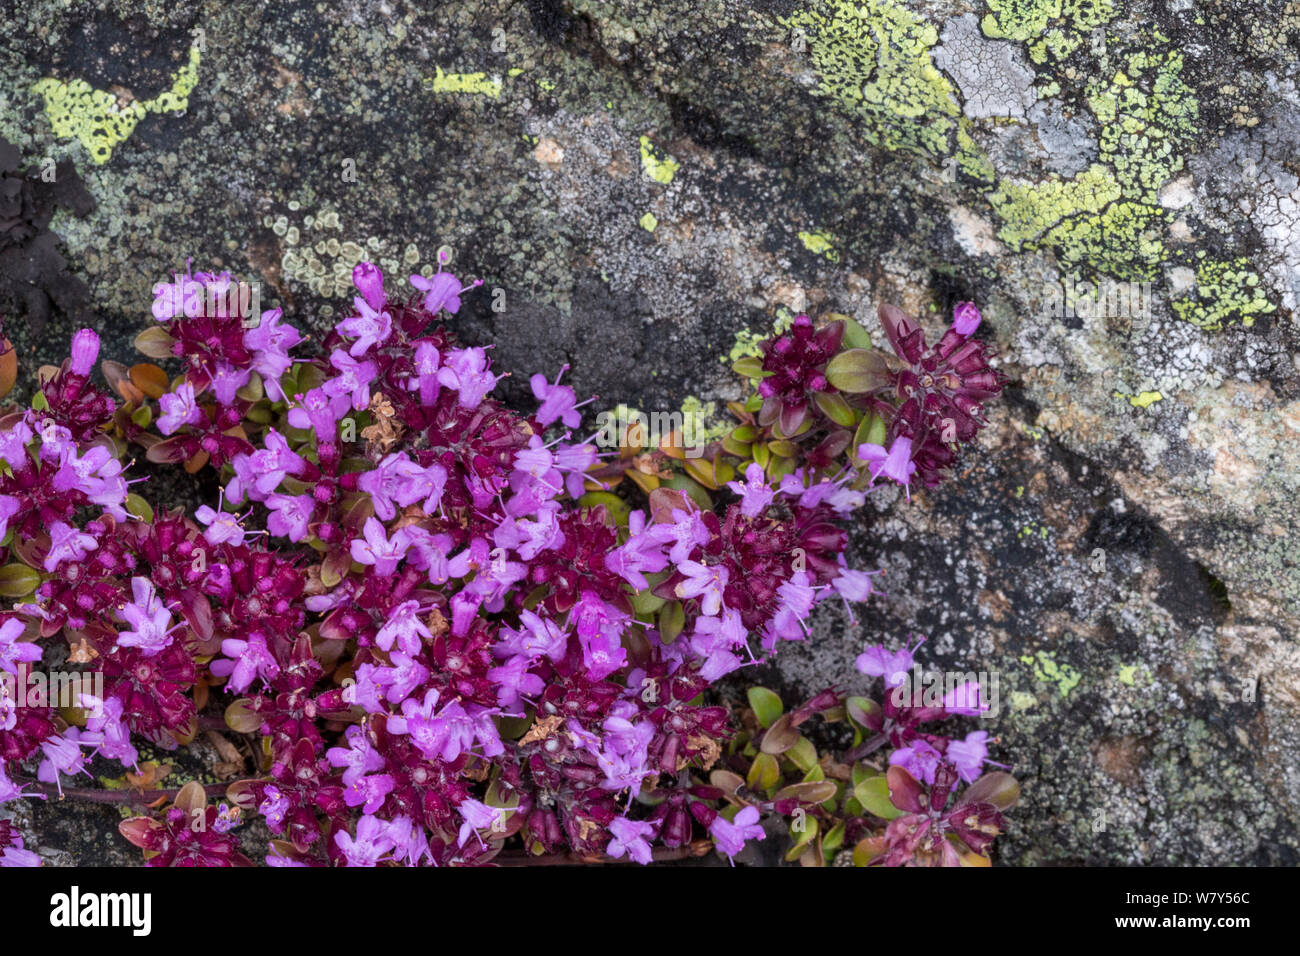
(657, 164)
(479, 83)
(648, 222)
(873, 59)
(1224, 290)
(745, 346)
(97, 120)
(1107, 217)
(820, 244)
(1051, 28)
(1047, 670)
(1142, 399)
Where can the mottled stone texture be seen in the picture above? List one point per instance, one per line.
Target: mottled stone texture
(643, 181)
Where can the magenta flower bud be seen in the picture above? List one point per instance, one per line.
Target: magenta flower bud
(676, 828)
(965, 318)
(85, 350)
(370, 283)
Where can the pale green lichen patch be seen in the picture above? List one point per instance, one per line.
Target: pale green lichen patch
(1142, 399)
(1224, 290)
(873, 59)
(745, 346)
(820, 244)
(649, 222)
(477, 83)
(1107, 218)
(1052, 28)
(97, 120)
(1047, 670)
(657, 164)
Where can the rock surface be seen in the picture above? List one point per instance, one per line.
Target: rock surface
(644, 185)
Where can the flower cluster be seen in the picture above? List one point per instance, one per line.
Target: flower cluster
(450, 637)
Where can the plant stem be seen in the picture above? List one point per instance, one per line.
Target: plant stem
(128, 797)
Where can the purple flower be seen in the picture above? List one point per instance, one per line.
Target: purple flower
(441, 291)
(965, 699)
(853, 585)
(399, 480)
(274, 806)
(179, 408)
(274, 463)
(270, 342)
(707, 582)
(715, 639)
(755, 495)
(372, 327)
(729, 836)
(315, 412)
(13, 446)
(85, 350)
(62, 756)
(378, 549)
(247, 659)
(427, 363)
(350, 389)
(896, 463)
(15, 855)
(478, 816)
(514, 681)
(629, 837)
(894, 666)
(686, 532)
(639, 554)
(105, 719)
(370, 283)
(149, 618)
(405, 627)
(558, 401)
(227, 380)
(370, 844)
(67, 544)
(965, 318)
(14, 651)
(359, 757)
(968, 755)
(466, 371)
(289, 515)
(919, 759)
(223, 527)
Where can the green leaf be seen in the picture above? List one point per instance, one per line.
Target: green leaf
(139, 507)
(765, 704)
(18, 580)
(858, 370)
(750, 367)
(855, 336)
(40, 402)
(871, 430)
(835, 408)
(672, 618)
(803, 753)
(873, 794)
(764, 773)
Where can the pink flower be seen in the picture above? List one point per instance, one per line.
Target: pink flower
(628, 837)
(729, 836)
